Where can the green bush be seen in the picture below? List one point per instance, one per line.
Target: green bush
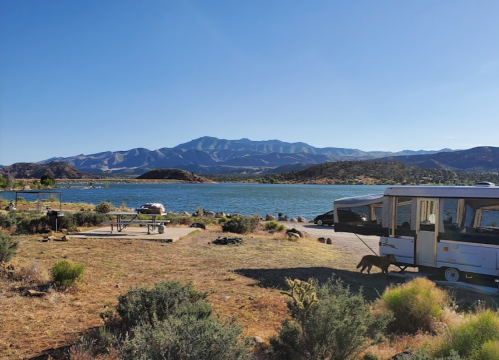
(273, 226)
(179, 219)
(8, 247)
(89, 218)
(65, 273)
(104, 207)
(489, 351)
(337, 327)
(241, 224)
(478, 335)
(414, 305)
(144, 305)
(186, 337)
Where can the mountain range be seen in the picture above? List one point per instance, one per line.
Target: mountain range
(210, 155)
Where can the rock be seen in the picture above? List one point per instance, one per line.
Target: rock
(406, 355)
(209, 214)
(301, 219)
(228, 240)
(185, 213)
(258, 340)
(225, 298)
(219, 215)
(269, 217)
(328, 241)
(322, 239)
(293, 220)
(292, 235)
(293, 230)
(198, 225)
(64, 231)
(64, 238)
(36, 293)
(282, 218)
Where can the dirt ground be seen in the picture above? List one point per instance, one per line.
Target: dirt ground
(244, 281)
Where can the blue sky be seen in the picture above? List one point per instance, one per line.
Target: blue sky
(81, 77)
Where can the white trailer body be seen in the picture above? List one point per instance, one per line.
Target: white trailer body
(452, 229)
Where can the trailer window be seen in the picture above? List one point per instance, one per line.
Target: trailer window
(490, 219)
(450, 211)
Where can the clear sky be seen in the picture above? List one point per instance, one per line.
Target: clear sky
(81, 77)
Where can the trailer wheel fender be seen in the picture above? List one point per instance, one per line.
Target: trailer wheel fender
(451, 274)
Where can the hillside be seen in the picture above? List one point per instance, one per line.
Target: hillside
(380, 172)
(58, 170)
(173, 174)
(485, 158)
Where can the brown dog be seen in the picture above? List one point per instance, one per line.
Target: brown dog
(383, 262)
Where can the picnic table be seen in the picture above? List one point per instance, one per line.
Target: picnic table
(125, 218)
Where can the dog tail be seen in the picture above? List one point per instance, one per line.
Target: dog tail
(360, 264)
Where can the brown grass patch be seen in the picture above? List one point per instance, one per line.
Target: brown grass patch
(242, 281)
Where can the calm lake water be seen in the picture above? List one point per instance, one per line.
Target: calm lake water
(247, 199)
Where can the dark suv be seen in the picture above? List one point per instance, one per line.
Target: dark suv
(345, 215)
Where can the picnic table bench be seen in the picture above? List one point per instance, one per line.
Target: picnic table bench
(123, 219)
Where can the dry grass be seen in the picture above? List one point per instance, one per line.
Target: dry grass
(251, 274)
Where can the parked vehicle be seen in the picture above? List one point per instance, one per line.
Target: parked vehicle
(447, 230)
(344, 214)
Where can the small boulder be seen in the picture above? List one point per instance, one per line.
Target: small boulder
(198, 225)
(328, 241)
(269, 217)
(322, 239)
(293, 220)
(301, 219)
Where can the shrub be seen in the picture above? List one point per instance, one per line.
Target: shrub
(274, 226)
(143, 305)
(476, 335)
(104, 207)
(179, 219)
(240, 224)
(338, 327)
(33, 272)
(89, 218)
(65, 273)
(489, 351)
(186, 337)
(414, 305)
(8, 247)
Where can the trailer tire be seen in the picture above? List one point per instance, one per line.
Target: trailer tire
(451, 274)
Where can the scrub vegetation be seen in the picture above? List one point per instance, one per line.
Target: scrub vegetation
(266, 298)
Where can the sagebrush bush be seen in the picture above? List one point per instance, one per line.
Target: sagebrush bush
(89, 218)
(145, 305)
(469, 339)
(179, 219)
(104, 207)
(8, 247)
(273, 226)
(66, 273)
(186, 337)
(241, 224)
(33, 273)
(414, 305)
(337, 327)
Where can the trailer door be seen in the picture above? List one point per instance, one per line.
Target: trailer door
(427, 231)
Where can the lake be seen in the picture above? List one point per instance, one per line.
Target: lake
(247, 199)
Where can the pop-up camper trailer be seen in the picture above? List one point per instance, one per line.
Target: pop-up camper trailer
(451, 229)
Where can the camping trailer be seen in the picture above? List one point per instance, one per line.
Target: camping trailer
(452, 230)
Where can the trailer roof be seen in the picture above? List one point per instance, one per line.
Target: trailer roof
(444, 191)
